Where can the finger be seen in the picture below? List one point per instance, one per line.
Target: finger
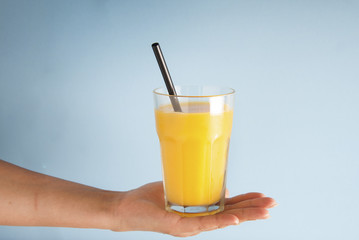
(227, 193)
(195, 225)
(263, 202)
(246, 214)
(243, 197)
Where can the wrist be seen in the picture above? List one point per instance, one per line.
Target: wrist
(114, 210)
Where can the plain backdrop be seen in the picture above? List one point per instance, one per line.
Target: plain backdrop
(76, 81)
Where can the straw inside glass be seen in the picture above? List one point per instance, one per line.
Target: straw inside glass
(166, 77)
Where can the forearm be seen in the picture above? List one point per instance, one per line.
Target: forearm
(32, 199)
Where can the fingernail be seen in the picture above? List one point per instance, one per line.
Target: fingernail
(236, 222)
(274, 205)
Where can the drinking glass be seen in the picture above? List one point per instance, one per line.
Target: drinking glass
(194, 147)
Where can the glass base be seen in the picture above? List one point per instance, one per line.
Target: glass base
(195, 211)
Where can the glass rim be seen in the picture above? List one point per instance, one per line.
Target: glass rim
(231, 91)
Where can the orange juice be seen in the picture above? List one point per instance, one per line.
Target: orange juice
(194, 147)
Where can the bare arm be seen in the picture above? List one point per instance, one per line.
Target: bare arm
(32, 199)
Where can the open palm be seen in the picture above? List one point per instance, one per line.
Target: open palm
(142, 209)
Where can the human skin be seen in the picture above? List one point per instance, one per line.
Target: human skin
(29, 198)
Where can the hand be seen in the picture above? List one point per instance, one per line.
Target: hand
(142, 209)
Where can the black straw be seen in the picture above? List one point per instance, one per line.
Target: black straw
(166, 77)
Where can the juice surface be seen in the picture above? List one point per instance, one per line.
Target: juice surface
(194, 148)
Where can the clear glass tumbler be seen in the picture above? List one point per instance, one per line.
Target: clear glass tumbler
(194, 147)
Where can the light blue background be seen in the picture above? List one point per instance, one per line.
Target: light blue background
(76, 102)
